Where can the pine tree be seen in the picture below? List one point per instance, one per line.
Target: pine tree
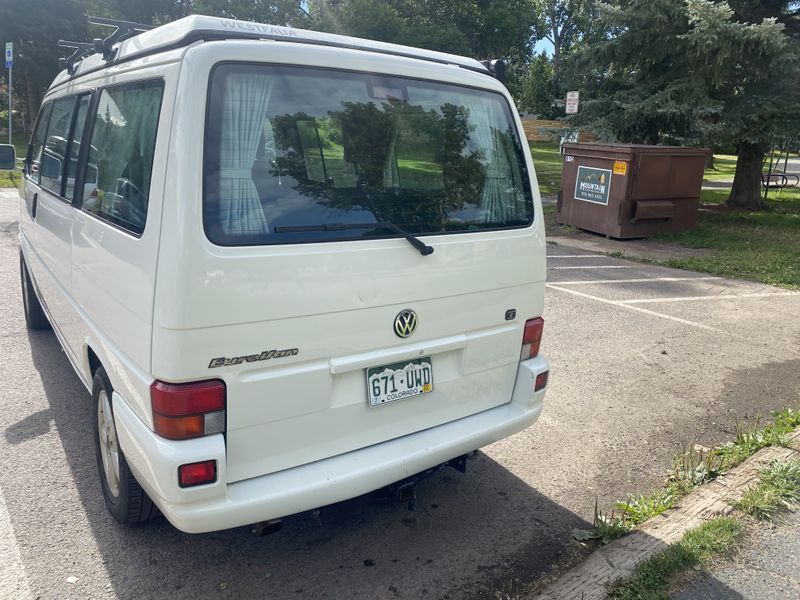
(696, 72)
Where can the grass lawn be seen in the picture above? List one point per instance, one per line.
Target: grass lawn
(724, 168)
(757, 245)
(547, 163)
(8, 178)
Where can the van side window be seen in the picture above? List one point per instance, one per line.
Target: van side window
(34, 158)
(121, 154)
(55, 148)
(90, 181)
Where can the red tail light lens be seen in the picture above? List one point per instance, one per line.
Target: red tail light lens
(187, 410)
(532, 338)
(541, 381)
(197, 473)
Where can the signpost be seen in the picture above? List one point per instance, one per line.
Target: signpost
(572, 103)
(9, 66)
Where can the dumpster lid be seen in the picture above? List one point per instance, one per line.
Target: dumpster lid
(627, 150)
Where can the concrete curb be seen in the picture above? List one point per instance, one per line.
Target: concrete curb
(590, 579)
(644, 249)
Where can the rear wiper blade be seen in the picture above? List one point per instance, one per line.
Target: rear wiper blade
(423, 248)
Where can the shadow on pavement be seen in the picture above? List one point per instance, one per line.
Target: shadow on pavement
(467, 534)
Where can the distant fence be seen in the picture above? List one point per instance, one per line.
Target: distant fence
(541, 130)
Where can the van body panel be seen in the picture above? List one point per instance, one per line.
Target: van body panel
(168, 304)
(106, 276)
(208, 508)
(333, 302)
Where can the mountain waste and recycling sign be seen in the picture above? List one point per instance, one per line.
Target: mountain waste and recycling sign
(593, 184)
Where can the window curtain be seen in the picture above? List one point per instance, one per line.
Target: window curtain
(495, 202)
(244, 110)
(141, 111)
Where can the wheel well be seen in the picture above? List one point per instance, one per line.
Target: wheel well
(94, 362)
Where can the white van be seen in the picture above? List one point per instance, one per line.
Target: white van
(291, 267)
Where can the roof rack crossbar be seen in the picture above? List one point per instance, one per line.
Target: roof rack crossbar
(124, 30)
(81, 49)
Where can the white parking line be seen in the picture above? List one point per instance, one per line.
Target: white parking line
(590, 267)
(13, 580)
(636, 308)
(642, 280)
(578, 256)
(717, 297)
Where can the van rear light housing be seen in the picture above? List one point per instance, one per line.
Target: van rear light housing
(541, 381)
(183, 411)
(532, 338)
(199, 473)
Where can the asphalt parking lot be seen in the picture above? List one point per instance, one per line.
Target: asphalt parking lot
(646, 361)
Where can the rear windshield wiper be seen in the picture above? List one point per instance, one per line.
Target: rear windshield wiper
(423, 248)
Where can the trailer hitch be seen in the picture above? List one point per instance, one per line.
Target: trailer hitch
(405, 491)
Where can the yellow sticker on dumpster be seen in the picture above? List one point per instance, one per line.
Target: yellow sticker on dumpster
(620, 167)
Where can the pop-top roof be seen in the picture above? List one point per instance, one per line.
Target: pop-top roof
(198, 27)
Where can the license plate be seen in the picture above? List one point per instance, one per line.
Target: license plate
(398, 381)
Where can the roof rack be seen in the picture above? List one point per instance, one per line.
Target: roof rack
(118, 48)
(124, 30)
(104, 46)
(81, 49)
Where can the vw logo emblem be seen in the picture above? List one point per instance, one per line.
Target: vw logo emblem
(405, 323)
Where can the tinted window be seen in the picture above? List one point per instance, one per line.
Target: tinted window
(121, 154)
(290, 147)
(34, 159)
(55, 148)
(75, 150)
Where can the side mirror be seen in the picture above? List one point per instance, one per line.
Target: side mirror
(8, 157)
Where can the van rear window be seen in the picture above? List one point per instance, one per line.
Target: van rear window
(291, 148)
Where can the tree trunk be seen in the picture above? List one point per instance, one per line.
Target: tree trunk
(746, 190)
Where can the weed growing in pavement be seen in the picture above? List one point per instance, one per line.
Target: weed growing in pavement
(694, 467)
(779, 487)
(639, 508)
(605, 527)
(697, 547)
(750, 440)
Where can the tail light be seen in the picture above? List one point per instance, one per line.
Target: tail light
(541, 381)
(198, 473)
(188, 410)
(532, 338)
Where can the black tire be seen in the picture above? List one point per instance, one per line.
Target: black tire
(126, 501)
(35, 317)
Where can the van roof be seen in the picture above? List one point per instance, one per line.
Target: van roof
(195, 28)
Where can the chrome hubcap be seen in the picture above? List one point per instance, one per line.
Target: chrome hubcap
(109, 445)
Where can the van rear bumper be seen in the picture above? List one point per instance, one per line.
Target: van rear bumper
(154, 461)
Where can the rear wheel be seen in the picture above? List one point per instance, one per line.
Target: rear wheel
(35, 318)
(125, 499)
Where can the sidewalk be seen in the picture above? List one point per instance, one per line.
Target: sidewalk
(768, 568)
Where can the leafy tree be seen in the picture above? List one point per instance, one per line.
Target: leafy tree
(695, 72)
(565, 24)
(479, 28)
(278, 12)
(568, 25)
(537, 89)
(35, 29)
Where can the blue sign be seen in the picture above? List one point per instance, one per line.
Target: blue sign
(9, 54)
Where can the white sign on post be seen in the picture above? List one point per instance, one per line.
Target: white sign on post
(9, 54)
(572, 103)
